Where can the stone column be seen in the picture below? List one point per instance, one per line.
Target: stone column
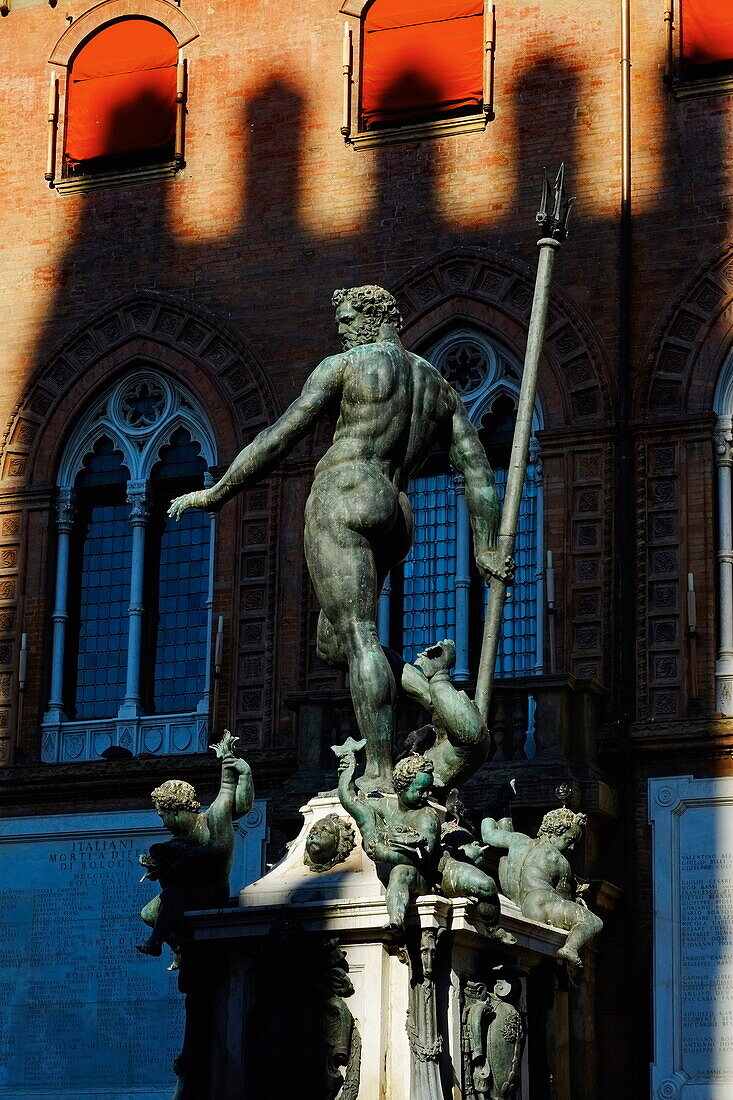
(535, 479)
(724, 663)
(205, 701)
(463, 579)
(137, 497)
(65, 512)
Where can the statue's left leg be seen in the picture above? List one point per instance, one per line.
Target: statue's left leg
(582, 925)
(585, 927)
(342, 565)
(461, 879)
(405, 883)
(149, 911)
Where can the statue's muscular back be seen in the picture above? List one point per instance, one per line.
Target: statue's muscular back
(393, 405)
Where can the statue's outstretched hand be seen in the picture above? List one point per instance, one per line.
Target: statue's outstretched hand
(493, 565)
(226, 751)
(199, 499)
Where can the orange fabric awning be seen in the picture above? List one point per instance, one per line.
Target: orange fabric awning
(421, 58)
(707, 31)
(122, 91)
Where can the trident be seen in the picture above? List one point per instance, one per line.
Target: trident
(554, 225)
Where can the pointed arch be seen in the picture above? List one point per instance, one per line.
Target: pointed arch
(495, 292)
(172, 335)
(193, 350)
(688, 349)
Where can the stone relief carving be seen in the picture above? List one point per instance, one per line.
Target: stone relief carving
(302, 982)
(492, 1036)
(329, 842)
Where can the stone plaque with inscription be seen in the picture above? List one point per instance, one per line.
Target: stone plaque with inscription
(85, 1015)
(692, 821)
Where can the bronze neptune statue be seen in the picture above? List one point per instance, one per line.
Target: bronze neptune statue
(392, 406)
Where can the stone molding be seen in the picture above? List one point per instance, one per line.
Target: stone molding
(578, 368)
(690, 820)
(183, 29)
(354, 7)
(679, 372)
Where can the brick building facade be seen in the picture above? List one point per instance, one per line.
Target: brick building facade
(218, 274)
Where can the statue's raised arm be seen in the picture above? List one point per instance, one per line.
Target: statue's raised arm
(392, 406)
(236, 793)
(272, 444)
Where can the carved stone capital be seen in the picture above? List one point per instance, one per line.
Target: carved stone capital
(65, 509)
(535, 459)
(459, 484)
(139, 499)
(724, 446)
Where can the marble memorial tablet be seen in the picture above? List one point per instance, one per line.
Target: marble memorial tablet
(693, 938)
(85, 1015)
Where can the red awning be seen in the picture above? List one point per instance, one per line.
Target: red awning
(707, 31)
(122, 91)
(421, 58)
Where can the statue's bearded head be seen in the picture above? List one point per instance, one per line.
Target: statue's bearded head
(360, 313)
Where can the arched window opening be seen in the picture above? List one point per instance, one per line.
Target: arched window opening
(439, 592)
(132, 617)
(121, 99)
(421, 61)
(177, 583)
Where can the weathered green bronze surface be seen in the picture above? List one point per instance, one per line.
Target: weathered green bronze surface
(537, 876)
(193, 867)
(403, 835)
(392, 408)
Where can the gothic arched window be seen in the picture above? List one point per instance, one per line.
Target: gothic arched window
(441, 592)
(132, 616)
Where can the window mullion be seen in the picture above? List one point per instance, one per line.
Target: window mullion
(138, 498)
(206, 699)
(384, 609)
(724, 665)
(463, 580)
(64, 523)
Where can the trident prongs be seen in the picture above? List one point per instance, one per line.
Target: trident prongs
(554, 224)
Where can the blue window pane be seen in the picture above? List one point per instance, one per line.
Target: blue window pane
(429, 609)
(429, 604)
(101, 667)
(181, 639)
(104, 466)
(517, 655)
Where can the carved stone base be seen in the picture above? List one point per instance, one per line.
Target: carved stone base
(428, 1019)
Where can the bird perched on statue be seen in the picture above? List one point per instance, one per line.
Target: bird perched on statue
(455, 812)
(500, 802)
(416, 742)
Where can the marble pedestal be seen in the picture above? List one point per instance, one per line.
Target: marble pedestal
(419, 1057)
